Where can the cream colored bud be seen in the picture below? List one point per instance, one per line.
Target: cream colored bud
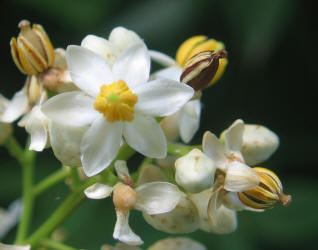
(124, 197)
(150, 173)
(195, 171)
(178, 243)
(170, 126)
(33, 90)
(183, 219)
(32, 51)
(259, 143)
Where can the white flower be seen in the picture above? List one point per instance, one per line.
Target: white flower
(151, 198)
(10, 217)
(116, 102)
(5, 128)
(13, 247)
(228, 158)
(188, 117)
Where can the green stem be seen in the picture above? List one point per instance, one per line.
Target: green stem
(52, 244)
(75, 179)
(27, 195)
(60, 214)
(15, 149)
(181, 150)
(51, 180)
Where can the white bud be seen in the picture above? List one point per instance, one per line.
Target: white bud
(65, 142)
(195, 171)
(170, 126)
(178, 243)
(183, 219)
(259, 143)
(240, 177)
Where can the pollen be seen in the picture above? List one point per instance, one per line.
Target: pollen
(116, 102)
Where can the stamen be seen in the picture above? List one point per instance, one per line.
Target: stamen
(116, 102)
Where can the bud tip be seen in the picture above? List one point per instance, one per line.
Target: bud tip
(23, 24)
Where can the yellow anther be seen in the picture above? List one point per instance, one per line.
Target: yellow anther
(268, 193)
(116, 102)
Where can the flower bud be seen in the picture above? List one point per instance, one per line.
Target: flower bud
(195, 171)
(259, 143)
(124, 197)
(178, 243)
(268, 193)
(32, 51)
(200, 69)
(183, 218)
(197, 44)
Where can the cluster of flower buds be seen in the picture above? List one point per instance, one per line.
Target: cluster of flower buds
(92, 101)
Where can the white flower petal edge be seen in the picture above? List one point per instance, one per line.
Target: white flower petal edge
(157, 197)
(10, 217)
(162, 59)
(16, 107)
(133, 66)
(240, 177)
(100, 145)
(37, 126)
(123, 38)
(145, 135)
(234, 136)
(189, 121)
(13, 247)
(98, 191)
(71, 109)
(89, 71)
(122, 170)
(162, 97)
(173, 73)
(123, 231)
(213, 148)
(101, 47)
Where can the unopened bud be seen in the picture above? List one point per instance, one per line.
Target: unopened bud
(32, 51)
(259, 143)
(124, 197)
(33, 90)
(195, 171)
(200, 69)
(268, 193)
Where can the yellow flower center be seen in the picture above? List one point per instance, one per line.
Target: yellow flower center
(116, 102)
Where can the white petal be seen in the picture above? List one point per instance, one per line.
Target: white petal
(189, 121)
(232, 201)
(100, 145)
(133, 66)
(122, 170)
(89, 71)
(71, 109)
(37, 125)
(162, 58)
(234, 136)
(123, 38)
(173, 73)
(213, 148)
(101, 47)
(13, 247)
(145, 135)
(9, 218)
(240, 177)
(177, 243)
(162, 97)
(98, 191)
(123, 231)
(157, 197)
(16, 107)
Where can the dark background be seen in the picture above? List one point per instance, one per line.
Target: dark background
(271, 80)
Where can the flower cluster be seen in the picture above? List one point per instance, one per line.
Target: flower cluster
(98, 103)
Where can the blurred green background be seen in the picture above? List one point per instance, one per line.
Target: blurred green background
(271, 80)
